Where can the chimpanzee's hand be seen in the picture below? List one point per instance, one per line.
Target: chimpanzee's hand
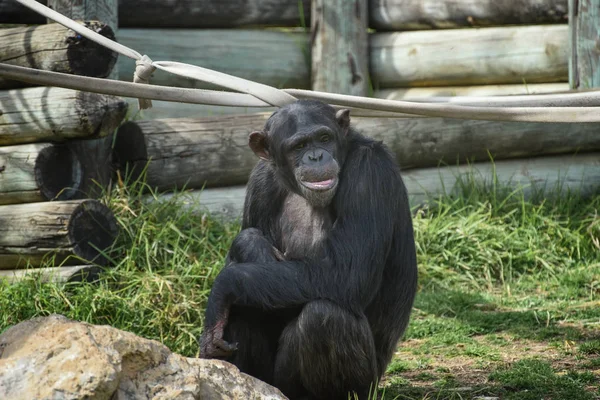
(212, 345)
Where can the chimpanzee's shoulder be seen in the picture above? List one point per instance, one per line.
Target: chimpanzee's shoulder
(369, 149)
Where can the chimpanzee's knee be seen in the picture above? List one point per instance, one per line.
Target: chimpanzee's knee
(330, 350)
(250, 245)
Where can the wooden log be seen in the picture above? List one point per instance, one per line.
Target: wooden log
(169, 109)
(44, 171)
(55, 48)
(427, 142)
(188, 152)
(55, 114)
(95, 158)
(38, 172)
(340, 46)
(211, 14)
(470, 56)
(422, 93)
(75, 273)
(12, 12)
(584, 34)
(223, 203)
(86, 10)
(428, 14)
(279, 59)
(192, 153)
(553, 175)
(70, 231)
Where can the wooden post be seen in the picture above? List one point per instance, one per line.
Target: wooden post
(43, 171)
(402, 15)
(105, 11)
(209, 152)
(55, 114)
(38, 172)
(511, 54)
(340, 46)
(55, 48)
(555, 175)
(202, 14)
(70, 231)
(584, 34)
(267, 56)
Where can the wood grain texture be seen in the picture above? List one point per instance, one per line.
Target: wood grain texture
(55, 48)
(95, 158)
(560, 174)
(12, 12)
(54, 114)
(105, 11)
(70, 231)
(279, 59)
(422, 93)
(470, 56)
(445, 14)
(177, 153)
(74, 273)
(38, 172)
(340, 43)
(189, 153)
(211, 13)
(429, 142)
(584, 34)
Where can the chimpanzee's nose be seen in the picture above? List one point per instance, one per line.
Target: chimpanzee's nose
(316, 155)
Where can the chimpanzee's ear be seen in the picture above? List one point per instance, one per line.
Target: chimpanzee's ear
(258, 143)
(343, 118)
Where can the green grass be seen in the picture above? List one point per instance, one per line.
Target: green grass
(508, 303)
(534, 379)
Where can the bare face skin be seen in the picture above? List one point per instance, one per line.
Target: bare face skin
(304, 150)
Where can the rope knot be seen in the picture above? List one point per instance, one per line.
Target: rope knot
(143, 71)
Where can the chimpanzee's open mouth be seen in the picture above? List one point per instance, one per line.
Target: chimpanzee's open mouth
(321, 185)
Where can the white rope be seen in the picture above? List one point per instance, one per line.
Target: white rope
(586, 98)
(145, 66)
(517, 114)
(128, 89)
(405, 108)
(573, 107)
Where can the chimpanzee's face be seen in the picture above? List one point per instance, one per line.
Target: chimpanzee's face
(306, 142)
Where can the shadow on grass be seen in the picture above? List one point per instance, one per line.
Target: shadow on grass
(450, 313)
(527, 379)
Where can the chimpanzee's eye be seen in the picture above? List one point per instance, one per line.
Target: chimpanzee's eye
(299, 146)
(324, 138)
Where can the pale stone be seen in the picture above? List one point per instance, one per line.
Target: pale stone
(60, 359)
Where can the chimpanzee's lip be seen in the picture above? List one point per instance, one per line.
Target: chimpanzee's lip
(321, 185)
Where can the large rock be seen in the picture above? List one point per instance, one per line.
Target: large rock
(57, 358)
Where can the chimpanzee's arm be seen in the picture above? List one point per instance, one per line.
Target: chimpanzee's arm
(370, 201)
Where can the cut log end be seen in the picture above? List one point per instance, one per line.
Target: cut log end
(88, 58)
(92, 229)
(58, 173)
(130, 151)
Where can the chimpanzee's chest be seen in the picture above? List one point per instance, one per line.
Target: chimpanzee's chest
(301, 227)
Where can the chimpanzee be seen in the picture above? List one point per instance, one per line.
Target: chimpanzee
(319, 284)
